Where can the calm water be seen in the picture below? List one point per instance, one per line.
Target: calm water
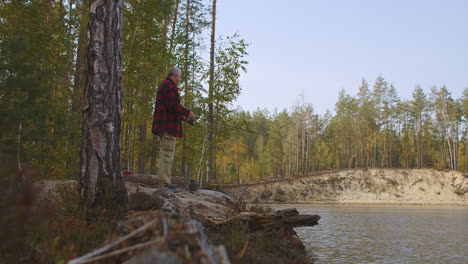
(386, 234)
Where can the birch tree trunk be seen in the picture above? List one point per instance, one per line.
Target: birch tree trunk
(80, 66)
(100, 182)
(141, 153)
(211, 99)
(154, 148)
(173, 27)
(419, 143)
(186, 92)
(466, 150)
(202, 157)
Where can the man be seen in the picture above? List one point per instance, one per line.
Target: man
(168, 114)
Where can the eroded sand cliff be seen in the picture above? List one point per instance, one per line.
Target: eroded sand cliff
(362, 186)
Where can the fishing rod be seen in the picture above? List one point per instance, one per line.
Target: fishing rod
(225, 124)
(192, 122)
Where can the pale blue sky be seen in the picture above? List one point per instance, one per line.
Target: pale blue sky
(319, 47)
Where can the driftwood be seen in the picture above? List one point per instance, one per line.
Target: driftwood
(277, 228)
(121, 251)
(168, 235)
(287, 218)
(166, 227)
(101, 251)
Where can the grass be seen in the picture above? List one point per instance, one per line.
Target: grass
(54, 232)
(75, 230)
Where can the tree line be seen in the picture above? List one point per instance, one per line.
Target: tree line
(374, 128)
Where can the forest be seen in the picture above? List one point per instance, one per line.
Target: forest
(79, 162)
(42, 77)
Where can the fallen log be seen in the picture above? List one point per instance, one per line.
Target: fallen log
(301, 220)
(169, 235)
(287, 218)
(150, 179)
(99, 252)
(186, 227)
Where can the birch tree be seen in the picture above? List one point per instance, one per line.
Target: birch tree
(101, 183)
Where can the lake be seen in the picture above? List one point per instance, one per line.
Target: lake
(385, 233)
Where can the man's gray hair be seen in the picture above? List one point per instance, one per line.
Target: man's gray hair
(174, 71)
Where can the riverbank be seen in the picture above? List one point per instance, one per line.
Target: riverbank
(198, 226)
(361, 186)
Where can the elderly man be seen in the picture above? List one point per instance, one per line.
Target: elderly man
(168, 114)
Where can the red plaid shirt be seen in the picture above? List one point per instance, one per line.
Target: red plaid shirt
(168, 112)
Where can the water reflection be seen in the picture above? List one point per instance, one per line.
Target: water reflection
(386, 234)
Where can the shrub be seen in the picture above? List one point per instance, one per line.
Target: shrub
(34, 233)
(266, 194)
(459, 192)
(279, 196)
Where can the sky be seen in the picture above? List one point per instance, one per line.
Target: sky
(316, 48)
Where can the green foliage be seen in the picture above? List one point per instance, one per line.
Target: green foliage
(36, 65)
(229, 62)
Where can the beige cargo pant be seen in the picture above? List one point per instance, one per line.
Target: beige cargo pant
(166, 156)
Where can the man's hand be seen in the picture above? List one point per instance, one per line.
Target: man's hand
(190, 116)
